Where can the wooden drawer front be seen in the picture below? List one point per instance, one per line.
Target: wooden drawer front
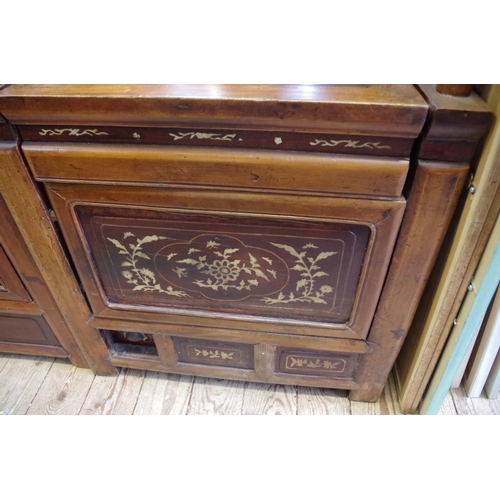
(317, 363)
(313, 172)
(214, 353)
(16, 329)
(11, 287)
(273, 263)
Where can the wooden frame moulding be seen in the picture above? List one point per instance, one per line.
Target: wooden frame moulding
(26, 206)
(462, 248)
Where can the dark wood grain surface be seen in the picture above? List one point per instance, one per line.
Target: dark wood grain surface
(221, 138)
(380, 110)
(383, 218)
(247, 229)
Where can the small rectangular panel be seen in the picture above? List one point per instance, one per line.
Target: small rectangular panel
(244, 265)
(11, 287)
(214, 353)
(248, 139)
(21, 330)
(317, 363)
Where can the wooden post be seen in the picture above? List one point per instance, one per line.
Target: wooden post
(33, 221)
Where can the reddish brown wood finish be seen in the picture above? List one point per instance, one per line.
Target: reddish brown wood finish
(144, 362)
(458, 121)
(380, 110)
(228, 335)
(26, 330)
(44, 267)
(218, 138)
(262, 175)
(433, 197)
(214, 353)
(7, 131)
(11, 287)
(454, 126)
(29, 321)
(33, 349)
(256, 170)
(382, 217)
(459, 90)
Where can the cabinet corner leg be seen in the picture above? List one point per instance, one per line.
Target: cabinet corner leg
(367, 393)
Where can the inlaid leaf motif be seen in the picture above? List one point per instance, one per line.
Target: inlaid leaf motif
(288, 248)
(213, 354)
(143, 278)
(301, 284)
(315, 364)
(117, 244)
(147, 273)
(188, 261)
(324, 255)
(272, 272)
(181, 272)
(305, 266)
(149, 239)
(260, 274)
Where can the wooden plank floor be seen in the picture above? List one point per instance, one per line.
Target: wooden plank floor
(35, 385)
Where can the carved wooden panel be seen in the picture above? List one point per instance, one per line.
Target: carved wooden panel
(26, 330)
(214, 353)
(316, 363)
(247, 265)
(11, 287)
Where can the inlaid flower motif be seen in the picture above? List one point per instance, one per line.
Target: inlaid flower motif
(222, 267)
(224, 270)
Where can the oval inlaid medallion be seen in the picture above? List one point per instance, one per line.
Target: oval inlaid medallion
(222, 268)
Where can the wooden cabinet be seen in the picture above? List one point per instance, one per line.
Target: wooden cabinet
(245, 232)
